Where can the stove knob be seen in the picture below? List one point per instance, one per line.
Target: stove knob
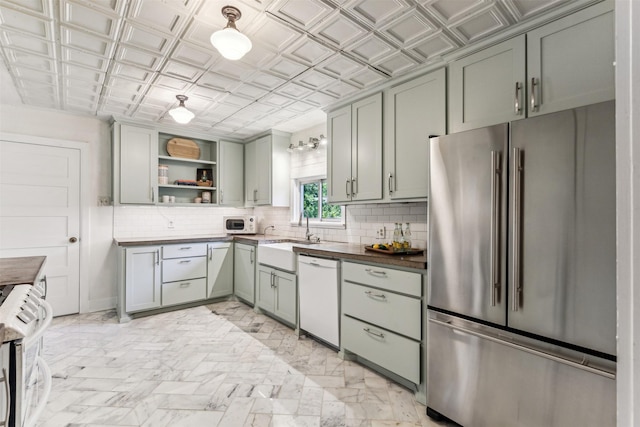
(36, 292)
(34, 298)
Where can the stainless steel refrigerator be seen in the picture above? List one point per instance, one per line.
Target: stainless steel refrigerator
(522, 285)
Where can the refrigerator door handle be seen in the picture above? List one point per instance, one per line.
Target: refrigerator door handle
(584, 366)
(496, 171)
(517, 216)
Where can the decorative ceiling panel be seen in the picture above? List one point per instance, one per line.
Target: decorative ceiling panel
(130, 58)
(23, 22)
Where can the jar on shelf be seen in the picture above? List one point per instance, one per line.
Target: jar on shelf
(163, 174)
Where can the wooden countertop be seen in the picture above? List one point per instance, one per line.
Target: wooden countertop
(21, 270)
(347, 251)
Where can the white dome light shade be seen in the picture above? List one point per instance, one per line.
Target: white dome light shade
(180, 114)
(230, 42)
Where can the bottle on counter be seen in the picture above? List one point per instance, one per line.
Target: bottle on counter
(407, 237)
(396, 236)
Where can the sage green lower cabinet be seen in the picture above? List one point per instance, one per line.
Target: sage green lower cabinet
(219, 269)
(382, 318)
(142, 281)
(244, 272)
(276, 293)
(184, 273)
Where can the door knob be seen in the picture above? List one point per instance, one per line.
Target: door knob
(73, 239)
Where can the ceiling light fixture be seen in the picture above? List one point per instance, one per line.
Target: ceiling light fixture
(230, 42)
(312, 144)
(180, 114)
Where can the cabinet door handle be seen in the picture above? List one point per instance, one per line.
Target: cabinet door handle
(221, 196)
(346, 187)
(210, 254)
(353, 193)
(534, 102)
(185, 261)
(185, 284)
(517, 107)
(372, 295)
(251, 257)
(157, 256)
(255, 195)
(376, 272)
(375, 334)
(185, 248)
(153, 195)
(390, 186)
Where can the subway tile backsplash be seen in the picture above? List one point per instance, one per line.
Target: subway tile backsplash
(362, 224)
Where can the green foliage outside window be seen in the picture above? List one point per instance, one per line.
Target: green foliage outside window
(313, 203)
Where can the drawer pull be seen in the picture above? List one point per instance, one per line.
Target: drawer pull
(376, 272)
(185, 261)
(185, 248)
(375, 334)
(185, 284)
(372, 295)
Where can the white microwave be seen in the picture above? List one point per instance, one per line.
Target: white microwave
(239, 224)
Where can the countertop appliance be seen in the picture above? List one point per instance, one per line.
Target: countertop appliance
(239, 224)
(522, 251)
(318, 291)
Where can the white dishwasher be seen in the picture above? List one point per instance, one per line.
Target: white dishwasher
(318, 290)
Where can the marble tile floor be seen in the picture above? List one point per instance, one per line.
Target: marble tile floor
(214, 365)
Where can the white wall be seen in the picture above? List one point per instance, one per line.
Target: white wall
(97, 284)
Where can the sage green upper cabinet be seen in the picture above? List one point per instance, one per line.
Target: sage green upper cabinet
(231, 174)
(267, 165)
(354, 160)
(569, 63)
(135, 157)
(487, 87)
(413, 111)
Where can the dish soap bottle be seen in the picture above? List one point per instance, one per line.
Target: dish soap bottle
(407, 237)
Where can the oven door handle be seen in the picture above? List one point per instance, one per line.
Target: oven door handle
(44, 397)
(37, 334)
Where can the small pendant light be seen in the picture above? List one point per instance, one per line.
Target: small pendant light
(230, 42)
(180, 114)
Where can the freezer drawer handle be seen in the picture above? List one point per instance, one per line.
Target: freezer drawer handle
(517, 216)
(372, 295)
(496, 172)
(376, 272)
(530, 350)
(375, 334)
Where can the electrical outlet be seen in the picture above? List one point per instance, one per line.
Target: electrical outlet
(170, 225)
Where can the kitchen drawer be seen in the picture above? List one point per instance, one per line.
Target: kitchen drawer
(184, 250)
(391, 351)
(184, 291)
(398, 313)
(184, 268)
(385, 278)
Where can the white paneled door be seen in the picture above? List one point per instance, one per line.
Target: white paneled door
(40, 214)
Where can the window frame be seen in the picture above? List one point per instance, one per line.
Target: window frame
(297, 219)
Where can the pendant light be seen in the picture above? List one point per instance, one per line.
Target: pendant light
(230, 42)
(180, 114)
